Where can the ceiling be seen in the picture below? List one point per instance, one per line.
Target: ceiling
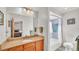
(62, 10)
(20, 10)
(57, 10)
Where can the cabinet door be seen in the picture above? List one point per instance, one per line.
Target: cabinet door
(29, 47)
(17, 48)
(40, 45)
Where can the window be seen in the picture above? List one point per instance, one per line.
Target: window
(53, 25)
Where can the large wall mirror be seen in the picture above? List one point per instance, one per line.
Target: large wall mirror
(23, 23)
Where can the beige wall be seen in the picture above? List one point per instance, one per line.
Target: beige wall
(43, 21)
(70, 32)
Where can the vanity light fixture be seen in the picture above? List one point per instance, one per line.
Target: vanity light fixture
(29, 10)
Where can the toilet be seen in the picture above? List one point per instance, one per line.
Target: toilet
(68, 46)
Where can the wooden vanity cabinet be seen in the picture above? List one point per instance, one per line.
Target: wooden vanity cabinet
(32, 46)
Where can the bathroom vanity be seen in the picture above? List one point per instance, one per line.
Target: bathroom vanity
(28, 44)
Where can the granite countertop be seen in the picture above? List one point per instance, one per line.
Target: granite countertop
(13, 43)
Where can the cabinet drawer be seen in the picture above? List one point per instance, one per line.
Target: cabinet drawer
(17, 48)
(6, 50)
(31, 48)
(29, 44)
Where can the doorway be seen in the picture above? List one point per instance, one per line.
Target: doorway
(55, 33)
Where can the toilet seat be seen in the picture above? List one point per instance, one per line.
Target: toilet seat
(68, 46)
